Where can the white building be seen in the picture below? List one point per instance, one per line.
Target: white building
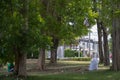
(88, 46)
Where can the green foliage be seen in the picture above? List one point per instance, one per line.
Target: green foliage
(104, 10)
(80, 58)
(117, 13)
(71, 53)
(13, 32)
(76, 12)
(45, 21)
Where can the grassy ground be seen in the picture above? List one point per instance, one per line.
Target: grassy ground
(94, 75)
(66, 70)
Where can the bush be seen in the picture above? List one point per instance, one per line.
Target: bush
(71, 53)
(81, 58)
(77, 59)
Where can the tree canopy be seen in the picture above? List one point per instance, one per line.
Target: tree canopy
(28, 25)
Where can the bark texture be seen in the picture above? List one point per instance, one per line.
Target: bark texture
(22, 65)
(22, 53)
(116, 45)
(16, 67)
(41, 60)
(100, 41)
(105, 45)
(53, 59)
(116, 38)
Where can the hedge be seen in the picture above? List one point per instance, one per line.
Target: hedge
(81, 58)
(70, 53)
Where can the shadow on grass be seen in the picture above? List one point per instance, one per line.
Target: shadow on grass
(92, 75)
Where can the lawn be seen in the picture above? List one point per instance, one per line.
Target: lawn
(93, 75)
(66, 70)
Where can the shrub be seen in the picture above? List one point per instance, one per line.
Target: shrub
(77, 59)
(81, 58)
(71, 53)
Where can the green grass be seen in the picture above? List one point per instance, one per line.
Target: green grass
(93, 75)
(63, 71)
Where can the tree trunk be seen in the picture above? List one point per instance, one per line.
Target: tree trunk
(116, 45)
(106, 48)
(22, 65)
(22, 54)
(116, 38)
(53, 59)
(41, 60)
(100, 42)
(99, 33)
(16, 67)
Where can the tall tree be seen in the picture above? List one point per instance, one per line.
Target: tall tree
(38, 30)
(105, 44)
(101, 55)
(70, 25)
(116, 35)
(23, 54)
(99, 28)
(14, 32)
(105, 24)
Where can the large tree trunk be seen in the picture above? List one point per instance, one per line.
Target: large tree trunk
(116, 45)
(116, 38)
(16, 67)
(22, 65)
(53, 59)
(41, 60)
(22, 55)
(106, 48)
(100, 41)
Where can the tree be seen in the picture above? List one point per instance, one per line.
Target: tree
(99, 28)
(103, 21)
(23, 54)
(59, 14)
(115, 35)
(106, 47)
(38, 40)
(105, 14)
(101, 55)
(18, 38)
(14, 24)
